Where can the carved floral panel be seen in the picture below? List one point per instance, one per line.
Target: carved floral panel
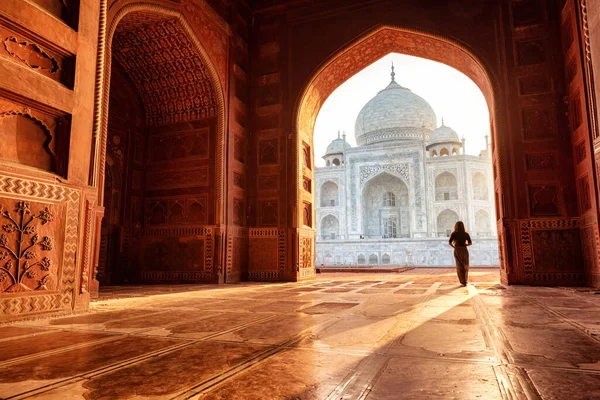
(30, 246)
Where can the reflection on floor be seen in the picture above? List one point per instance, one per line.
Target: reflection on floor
(414, 335)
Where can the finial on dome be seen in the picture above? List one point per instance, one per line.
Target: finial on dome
(393, 74)
(344, 136)
(443, 121)
(338, 133)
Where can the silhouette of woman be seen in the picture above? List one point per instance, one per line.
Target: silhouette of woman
(460, 240)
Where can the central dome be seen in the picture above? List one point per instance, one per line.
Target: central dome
(395, 113)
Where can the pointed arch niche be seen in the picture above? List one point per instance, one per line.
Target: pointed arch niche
(362, 52)
(171, 214)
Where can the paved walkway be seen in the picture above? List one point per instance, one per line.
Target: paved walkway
(414, 335)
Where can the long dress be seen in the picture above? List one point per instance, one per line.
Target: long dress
(461, 255)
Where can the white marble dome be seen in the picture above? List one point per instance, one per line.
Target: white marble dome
(337, 146)
(395, 113)
(444, 134)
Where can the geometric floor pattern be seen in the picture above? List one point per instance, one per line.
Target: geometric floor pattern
(411, 335)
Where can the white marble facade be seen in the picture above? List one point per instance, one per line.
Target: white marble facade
(394, 198)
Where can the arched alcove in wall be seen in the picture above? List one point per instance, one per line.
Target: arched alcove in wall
(385, 199)
(480, 188)
(330, 227)
(445, 222)
(329, 194)
(446, 187)
(168, 135)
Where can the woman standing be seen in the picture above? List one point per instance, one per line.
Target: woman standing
(460, 240)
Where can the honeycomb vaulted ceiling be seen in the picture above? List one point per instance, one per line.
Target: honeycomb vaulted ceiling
(165, 67)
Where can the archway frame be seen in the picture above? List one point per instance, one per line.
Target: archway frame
(102, 96)
(409, 190)
(337, 69)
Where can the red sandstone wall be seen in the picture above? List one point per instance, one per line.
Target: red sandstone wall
(47, 65)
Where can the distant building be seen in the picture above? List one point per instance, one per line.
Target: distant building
(394, 199)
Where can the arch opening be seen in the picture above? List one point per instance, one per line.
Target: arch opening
(332, 73)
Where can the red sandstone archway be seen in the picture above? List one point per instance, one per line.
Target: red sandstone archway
(183, 91)
(103, 92)
(344, 64)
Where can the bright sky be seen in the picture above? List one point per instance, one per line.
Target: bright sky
(452, 95)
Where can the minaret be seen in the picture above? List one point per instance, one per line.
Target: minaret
(487, 145)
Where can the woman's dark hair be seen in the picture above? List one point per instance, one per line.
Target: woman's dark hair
(459, 227)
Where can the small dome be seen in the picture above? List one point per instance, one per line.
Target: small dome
(338, 146)
(395, 113)
(444, 134)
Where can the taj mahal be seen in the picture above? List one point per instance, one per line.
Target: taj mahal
(395, 197)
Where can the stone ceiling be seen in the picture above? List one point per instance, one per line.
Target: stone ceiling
(165, 67)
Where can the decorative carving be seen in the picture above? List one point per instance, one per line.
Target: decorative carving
(177, 180)
(307, 253)
(239, 148)
(366, 172)
(41, 137)
(540, 162)
(238, 212)
(306, 156)
(239, 180)
(537, 124)
(526, 13)
(21, 263)
(544, 200)
(30, 54)
(87, 243)
(174, 254)
(526, 229)
(581, 152)
(176, 214)
(534, 84)
(585, 201)
(567, 34)
(575, 113)
(175, 86)
(530, 52)
(175, 146)
(268, 152)
(197, 211)
(572, 68)
(556, 251)
(269, 211)
(307, 184)
(307, 214)
(268, 253)
(25, 304)
(158, 276)
(267, 182)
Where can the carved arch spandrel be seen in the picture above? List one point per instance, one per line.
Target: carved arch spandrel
(103, 91)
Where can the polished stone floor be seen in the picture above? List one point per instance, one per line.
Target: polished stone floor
(410, 335)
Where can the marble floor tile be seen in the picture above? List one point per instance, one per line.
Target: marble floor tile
(410, 335)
